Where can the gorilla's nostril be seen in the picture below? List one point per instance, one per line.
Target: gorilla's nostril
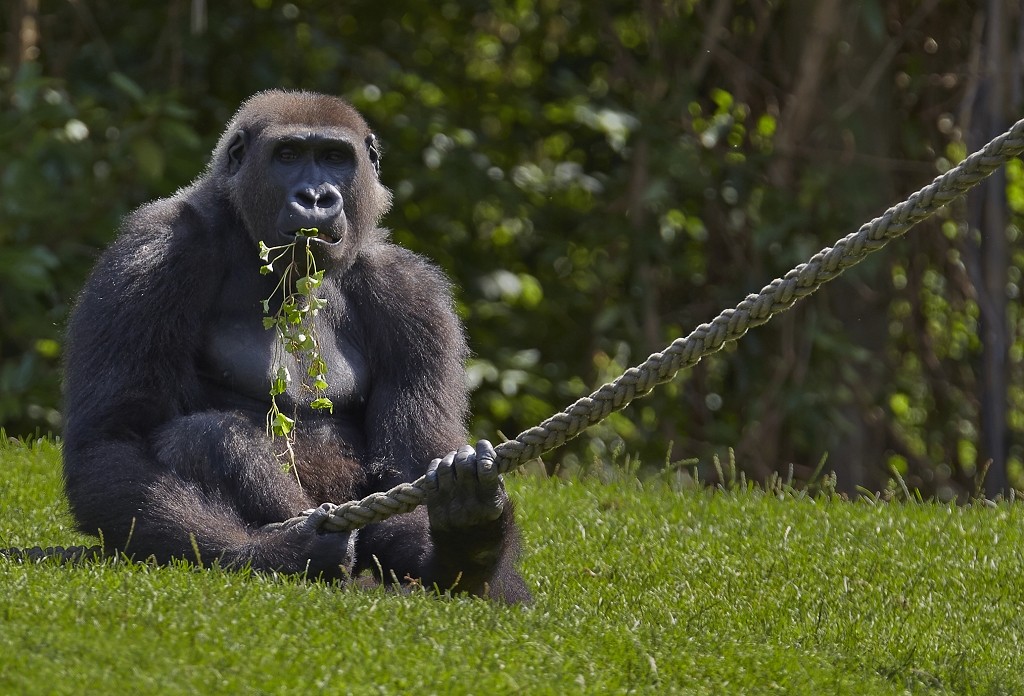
(317, 198)
(327, 196)
(306, 197)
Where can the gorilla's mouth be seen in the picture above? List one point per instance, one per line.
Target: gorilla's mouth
(313, 235)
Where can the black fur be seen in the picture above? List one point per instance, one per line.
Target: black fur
(166, 452)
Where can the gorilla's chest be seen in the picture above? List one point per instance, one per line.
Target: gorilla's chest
(241, 358)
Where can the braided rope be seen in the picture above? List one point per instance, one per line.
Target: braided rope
(71, 554)
(730, 325)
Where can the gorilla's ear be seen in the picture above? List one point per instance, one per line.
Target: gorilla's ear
(236, 151)
(373, 150)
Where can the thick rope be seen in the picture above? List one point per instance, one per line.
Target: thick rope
(71, 554)
(730, 325)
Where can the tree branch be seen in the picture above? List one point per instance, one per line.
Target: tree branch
(797, 111)
(883, 61)
(719, 14)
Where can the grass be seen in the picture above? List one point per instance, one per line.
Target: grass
(638, 589)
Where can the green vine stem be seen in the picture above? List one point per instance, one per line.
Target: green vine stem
(295, 326)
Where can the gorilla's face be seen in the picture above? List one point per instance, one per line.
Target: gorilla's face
(310, 171)
(289, 179)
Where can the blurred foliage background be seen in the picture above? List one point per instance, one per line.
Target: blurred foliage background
(598, 178)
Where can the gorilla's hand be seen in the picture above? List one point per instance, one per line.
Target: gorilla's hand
(329, 555)
(464, 489)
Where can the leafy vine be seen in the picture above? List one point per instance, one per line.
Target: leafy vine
(294, 324)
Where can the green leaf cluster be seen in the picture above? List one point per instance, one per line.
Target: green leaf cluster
(294, 324)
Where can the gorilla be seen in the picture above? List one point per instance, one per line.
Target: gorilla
(168, 369)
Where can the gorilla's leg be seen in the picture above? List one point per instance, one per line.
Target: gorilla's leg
(224, 471)
(203, 486)
(228, 456)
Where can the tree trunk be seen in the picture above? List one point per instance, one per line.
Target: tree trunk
(719, 13)
(641, 246)
(796, 115)
(28, 32)
(990, 120)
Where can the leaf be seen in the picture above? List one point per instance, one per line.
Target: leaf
(47, 347)
(268, 322)
(149, 157)
(264, 252)
(27, 269)
(179, 134)
(266, 306)
(127, 85)
(319, 383)
(264, 270)
(282, 373)
(307, 284)
(282, 424)
(322, 403)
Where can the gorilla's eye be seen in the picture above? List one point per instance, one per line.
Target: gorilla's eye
(338, 156)
(287, 154)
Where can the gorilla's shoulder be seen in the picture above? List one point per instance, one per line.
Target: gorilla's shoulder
(168, 232)
(404, 272)
(415, 295)
(180, 220)
(164, 248)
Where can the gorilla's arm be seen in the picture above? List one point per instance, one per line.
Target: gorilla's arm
(416, 412)
(142, 467)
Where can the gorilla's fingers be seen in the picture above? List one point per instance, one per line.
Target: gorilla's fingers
(485, 450)
(487, 472)
(445, 475)
(431, 482)
(486, 469)
(465, 468)
(316, 519)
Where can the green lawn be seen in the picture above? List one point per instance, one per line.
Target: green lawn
(644, 590)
